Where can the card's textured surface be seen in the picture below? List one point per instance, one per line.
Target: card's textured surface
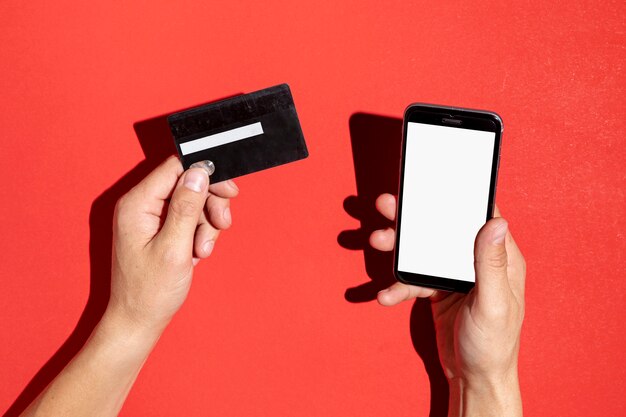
(241, 134)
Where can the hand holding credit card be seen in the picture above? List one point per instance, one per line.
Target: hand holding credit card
(241, 134)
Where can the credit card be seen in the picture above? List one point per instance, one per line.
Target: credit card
(241, 134)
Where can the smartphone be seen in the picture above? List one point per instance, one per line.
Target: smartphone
(448, 174)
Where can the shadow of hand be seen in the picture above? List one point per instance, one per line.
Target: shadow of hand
(377, 264)
(157, 145)
(376, 152)
(376, 146)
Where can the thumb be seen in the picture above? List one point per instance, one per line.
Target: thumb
(490, 260)
(185, 208)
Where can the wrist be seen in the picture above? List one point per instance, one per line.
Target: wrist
(97, 380)
(486, 396)
(123, 334)
(130, 314)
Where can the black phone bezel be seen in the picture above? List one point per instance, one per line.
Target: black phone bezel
(462, 119)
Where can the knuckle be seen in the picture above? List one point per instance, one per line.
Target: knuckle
(122, 212)
(184, 207)
(122, 204)
(499, 311)
(171, 257)
(496, 259)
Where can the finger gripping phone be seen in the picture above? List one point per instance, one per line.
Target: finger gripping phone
(448, 175)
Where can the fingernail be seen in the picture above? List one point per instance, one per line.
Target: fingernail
(498, 234)
(227, 215)
(232, 185)
(206, 165)
(196, 180)
(208, 247)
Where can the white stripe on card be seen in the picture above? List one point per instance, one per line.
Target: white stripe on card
(222, 138)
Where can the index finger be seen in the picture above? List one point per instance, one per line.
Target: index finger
(159, 184)
(224, 189)
(399, 292)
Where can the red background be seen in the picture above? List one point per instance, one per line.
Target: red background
(269, 328)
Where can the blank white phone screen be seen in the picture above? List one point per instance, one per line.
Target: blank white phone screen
(447, 173)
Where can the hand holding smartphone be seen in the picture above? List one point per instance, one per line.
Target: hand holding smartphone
(448, 176)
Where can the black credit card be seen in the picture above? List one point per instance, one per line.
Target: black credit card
(241, 134)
